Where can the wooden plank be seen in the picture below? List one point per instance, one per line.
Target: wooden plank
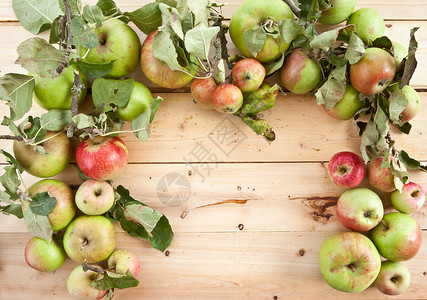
(12, 34)
(304, 133)
(390, 10)
(259, 197)
(240, 265)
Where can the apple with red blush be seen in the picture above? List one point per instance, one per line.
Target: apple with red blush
(346, 169)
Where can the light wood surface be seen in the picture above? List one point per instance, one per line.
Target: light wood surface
(257, 214)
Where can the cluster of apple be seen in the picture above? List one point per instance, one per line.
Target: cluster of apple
(350, 261)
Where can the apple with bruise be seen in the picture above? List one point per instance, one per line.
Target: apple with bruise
(368, 22)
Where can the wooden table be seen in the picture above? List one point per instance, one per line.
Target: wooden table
(257, 213)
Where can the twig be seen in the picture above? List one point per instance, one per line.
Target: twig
(11, 137)
(291, 5)
(220, 42)
(66, 58)
(75, 92)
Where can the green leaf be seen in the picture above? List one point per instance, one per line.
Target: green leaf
(111, 281)
(254, 39)
(55, 31)
(93, 14)
(141, 124)
(405, 128)
(39, 57)
(5, 198)
(42, 204)
(332, 91)
(76, 6)
(274, 66)
(220, 71)
(125, 197)
(109, 8)
(355, 50)
(383, 42)
(37, 225)
(10, 180)
(326, 39)
(199, 10)
(171, 21)
(164, 50)
(410, 61)
(17, 90)
(13, 209)
(198, 40)
(143, 215)
(12, 161)
(289, 29)
(34, 131)
(310, 10)
(111, 91)
(36, 15)
(83, 34)
(83, 121)
(56, 119)
(410, 162)
(172, 3)
(381, 121)
(261, 127)
(398, 103)
(94, 70)
(369, 138)
(147, 18)
(12, 126)
(260, 101)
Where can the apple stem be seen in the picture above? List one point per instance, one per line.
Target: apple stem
(87, 267)
(291, 5)
(85, 242)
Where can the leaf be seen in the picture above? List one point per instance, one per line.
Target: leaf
(143, 215)
(83, 121)
(289, 30)
(10, 180)
(111, 280)
(398, 103)
(199, 10)
(55, 31)
(13, 209)
(56, 119)
(94, 70)
(198, 40)
(42, 204)
(39, 57)
(254, 39)
(17, 90)
(410, 162)
(171, 21)
(164, 50)
(383, 42)
(332, 91)
(274, 66)
(111, 91)
(36, 15)
(355, 50)
(220, 71)
(172, 3)
(410, 61)
(326, 39)
(82, 34)
(381, 121)
(76, 6)
(147, 18)
(109, 8)
(405, 128)
(141, 124)
(34, 131)
(261, 127)
(5, 198)
(93, 14)
(37, 225)
(369, 138)
(258, 103)
(12, 161)
(310, 10)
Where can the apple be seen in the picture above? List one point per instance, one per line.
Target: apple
(58, 155)
(80, 286)
(103, 157)
(202, 90)
(414, 102)
(368, 22)
(248, 75)
(252, 13)
(56, 93)
(227, 98)
(65, 209)
(349, 261)
(394, 278)
(339, 12)
(347, 106)
(379, 178)
(360, 209)
(44, 256)
(373, 72)
(90, 238)
(95, 197)
(299, 73)
(118, 42)
(346, 169)
(159, 72)
(139, 102)
(400, 52)
(122, 261)
(410, 200)
(398, 237)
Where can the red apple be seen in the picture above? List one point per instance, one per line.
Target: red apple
(394, 278)
(227, 98)
(346, 169)
(410, 200)
(102, 158)
(373, 72)
(122, 261)
(381, 179)
(248, 74)
(95, 197)
(80, 286)
(44, 256)
(202, 90)
(159, 72)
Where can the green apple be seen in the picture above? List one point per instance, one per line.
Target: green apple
(80, 286)
(58, 155)
(65, 209)
(339, 12)
(410, 199)
(44, 256)
(256, 12)
(139, 102)
(56, 93)
(414, 102)
(349, 261)
(95, 197)
(368, 22)
(394, 278)
(122, 260)
(118, 42)
(90, 238)
(300, 74)
(400, 52)
(347, 106)
(398, 237)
